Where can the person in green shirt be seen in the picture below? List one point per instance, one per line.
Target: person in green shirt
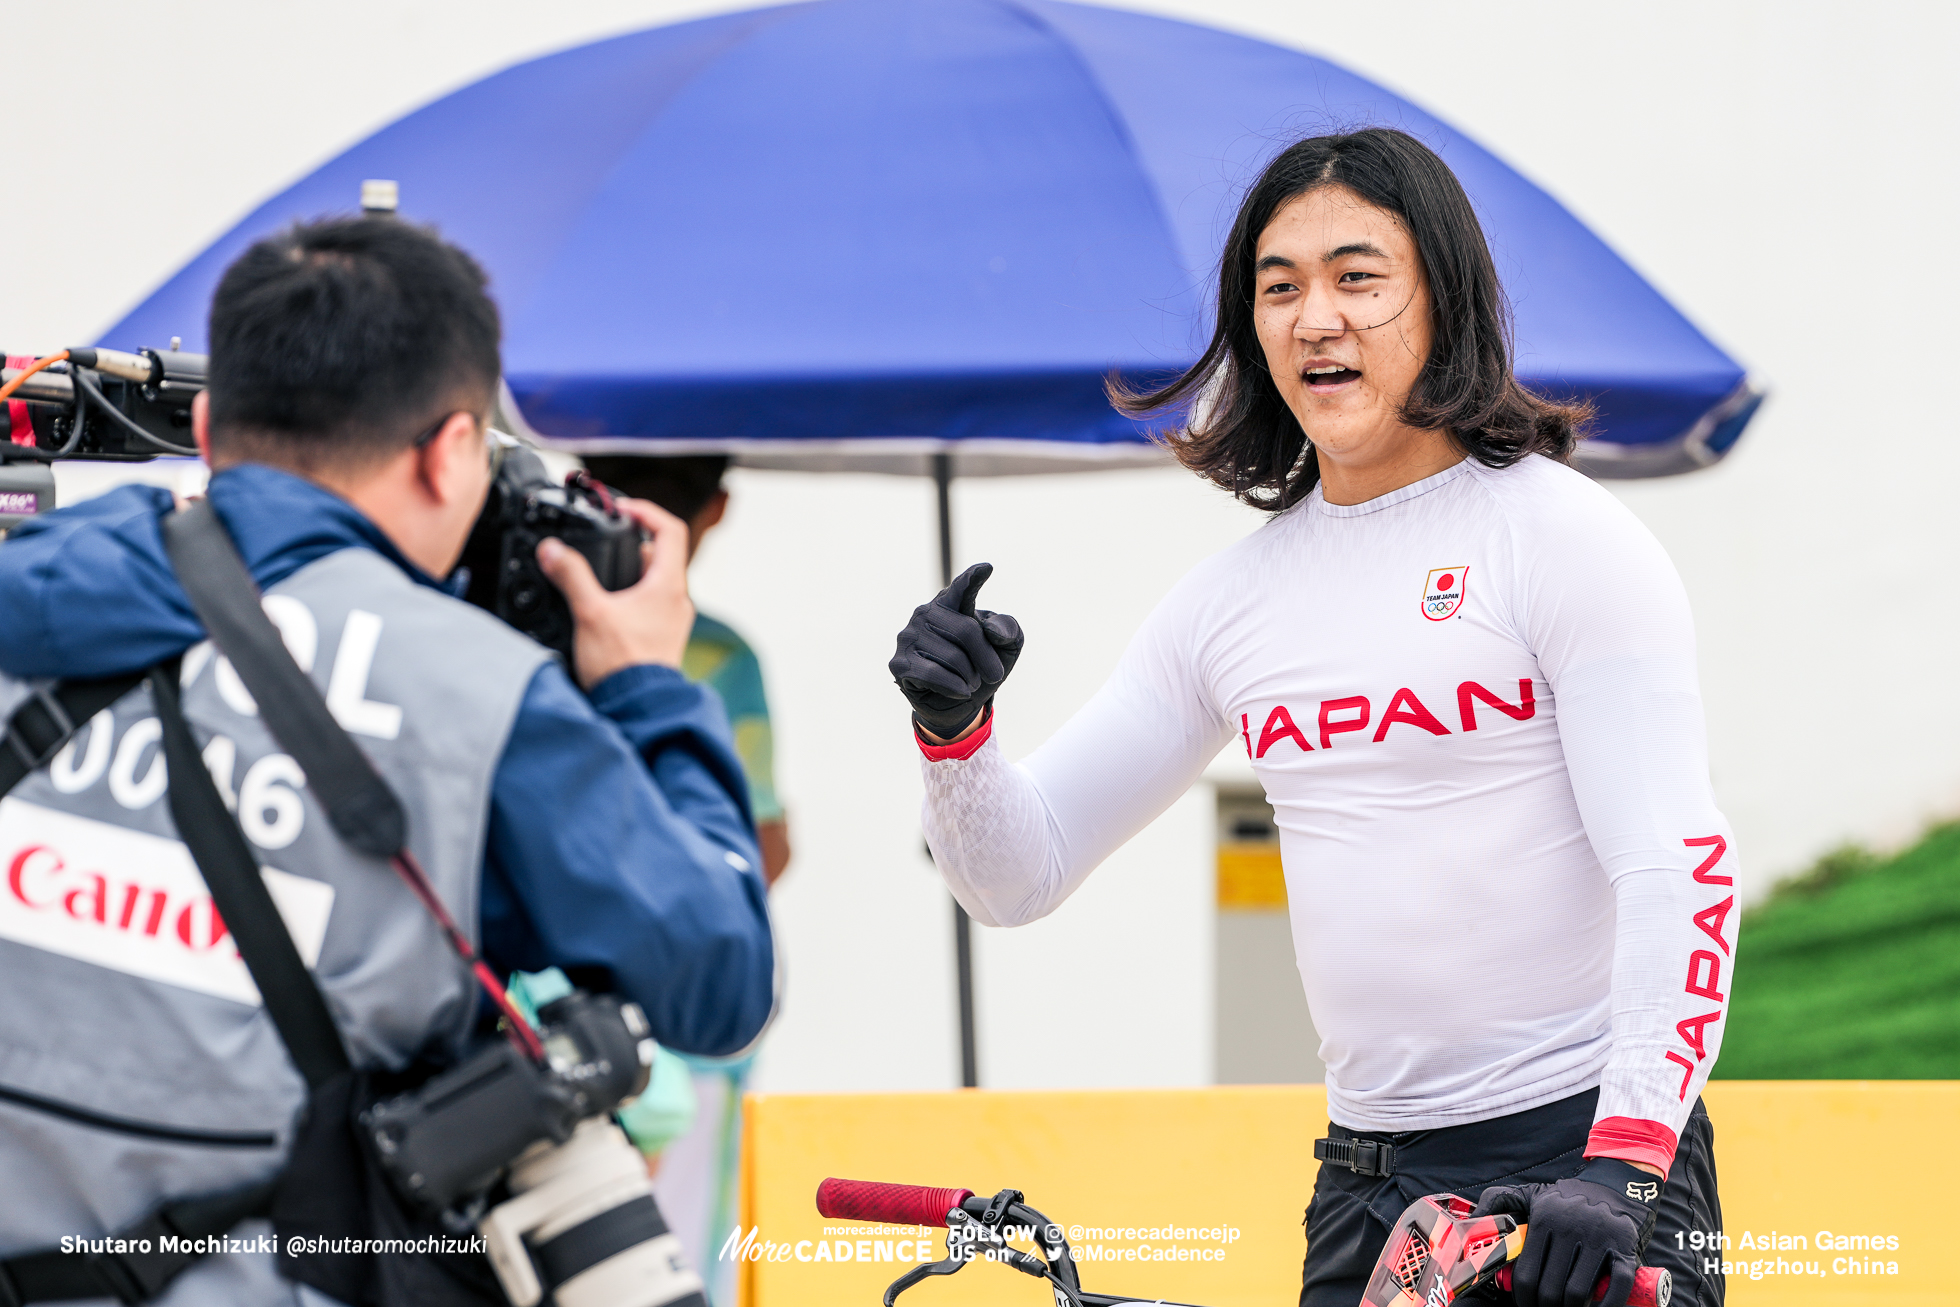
(716, 656)
(695, 1173)
(690, 487)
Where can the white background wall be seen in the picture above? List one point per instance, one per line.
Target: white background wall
(1784, 171)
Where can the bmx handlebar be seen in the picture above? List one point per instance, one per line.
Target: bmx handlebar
(891, 1204)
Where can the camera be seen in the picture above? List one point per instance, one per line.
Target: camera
(108, 405)
(578, 1222)
(100, 404)
(524, 507)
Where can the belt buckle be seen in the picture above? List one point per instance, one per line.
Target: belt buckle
(65, 729)
(1369, 1157)
(1373, 1158)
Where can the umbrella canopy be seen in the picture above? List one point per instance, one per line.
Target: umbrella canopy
(851, 233)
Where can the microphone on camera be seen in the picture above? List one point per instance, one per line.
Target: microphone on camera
(142, 367)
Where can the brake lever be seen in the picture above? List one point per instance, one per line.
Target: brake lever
(918, 1273)
(955, 1259)
(966, 1237)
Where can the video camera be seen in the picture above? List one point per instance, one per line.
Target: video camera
(100, 404)
(110, 406)
(103, 404)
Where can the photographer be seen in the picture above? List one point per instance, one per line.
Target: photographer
(593, 818)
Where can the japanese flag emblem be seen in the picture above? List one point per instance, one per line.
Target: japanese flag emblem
(1443, 593)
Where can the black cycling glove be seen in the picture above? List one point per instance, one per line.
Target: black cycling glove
(952, 657)
(1595, 1224)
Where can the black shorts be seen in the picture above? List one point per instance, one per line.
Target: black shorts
(1350, 1216)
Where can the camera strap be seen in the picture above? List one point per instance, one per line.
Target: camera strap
(361, 807)
(231, 872)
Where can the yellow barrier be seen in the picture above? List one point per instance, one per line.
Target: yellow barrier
(1251, 878)
(1230, 1170)
(1848, 1158)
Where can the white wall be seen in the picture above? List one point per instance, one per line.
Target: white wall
(1782, 171)
(820, 572)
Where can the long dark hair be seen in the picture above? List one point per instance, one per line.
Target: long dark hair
(1242, 436)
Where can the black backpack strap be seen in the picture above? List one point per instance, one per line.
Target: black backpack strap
(49, 719)
(292, 999)
(361, 807)
(55, 1276)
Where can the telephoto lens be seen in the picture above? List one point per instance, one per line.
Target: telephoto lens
(581, 1224)
(583, 1227)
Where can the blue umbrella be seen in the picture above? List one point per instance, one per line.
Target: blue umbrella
(859, 232)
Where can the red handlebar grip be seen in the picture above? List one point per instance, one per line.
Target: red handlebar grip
(1652, 1286)
(892, 1204)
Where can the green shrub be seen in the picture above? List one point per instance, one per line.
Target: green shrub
(1851, 971)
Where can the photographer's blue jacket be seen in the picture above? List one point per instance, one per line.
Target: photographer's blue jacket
(619, 838)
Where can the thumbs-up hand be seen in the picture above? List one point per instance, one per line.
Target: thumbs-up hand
(952, 657)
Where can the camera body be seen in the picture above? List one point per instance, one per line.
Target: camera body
(524, 507)
(150, 390)
(449, 1140)
(576, 1219)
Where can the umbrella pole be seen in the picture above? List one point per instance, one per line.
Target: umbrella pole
(942, 479)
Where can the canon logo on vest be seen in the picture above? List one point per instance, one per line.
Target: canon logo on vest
(134, 902)
(39, 877)
(1352, 715)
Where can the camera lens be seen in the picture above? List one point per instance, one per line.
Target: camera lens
(590, 1234)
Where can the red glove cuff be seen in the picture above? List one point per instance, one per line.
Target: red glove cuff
(1632, 1140)
(959, 750)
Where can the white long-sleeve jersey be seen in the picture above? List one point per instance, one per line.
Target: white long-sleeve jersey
(1473, 705)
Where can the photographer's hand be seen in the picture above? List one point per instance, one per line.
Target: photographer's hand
(649, 621)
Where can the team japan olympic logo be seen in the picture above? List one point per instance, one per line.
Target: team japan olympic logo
(1442, 594)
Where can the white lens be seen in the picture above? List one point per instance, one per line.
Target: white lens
(652, 1273)
(584, 1228)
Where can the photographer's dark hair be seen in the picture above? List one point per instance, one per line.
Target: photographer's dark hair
(1243, 437)
(680, 483)
(336, 342)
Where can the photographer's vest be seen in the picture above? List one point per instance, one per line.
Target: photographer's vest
(137, 1063)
